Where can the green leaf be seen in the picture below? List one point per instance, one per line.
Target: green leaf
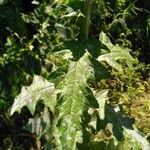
(64, 32)
(123, 136)
(133, 140)
(113, 57)
(2, 2)
(105, 40)
(39, 124)
(62, 1)
(64, 54)
(40, 89)
(71, 14)
(102, 97)
(72, 102)
(116, 54)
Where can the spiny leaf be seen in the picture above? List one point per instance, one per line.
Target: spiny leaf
(73, 102)
(112, 58)
(40, 89)
(121, 129)
(116, 53)
(134, 140)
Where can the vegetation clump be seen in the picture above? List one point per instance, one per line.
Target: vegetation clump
(74, 74)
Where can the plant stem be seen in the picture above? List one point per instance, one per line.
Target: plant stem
(87, 13)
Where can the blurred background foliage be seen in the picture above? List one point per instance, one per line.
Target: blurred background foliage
(31, 30)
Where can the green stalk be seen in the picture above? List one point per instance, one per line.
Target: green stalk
(86, 22)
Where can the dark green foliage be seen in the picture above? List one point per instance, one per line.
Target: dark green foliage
(48, 38)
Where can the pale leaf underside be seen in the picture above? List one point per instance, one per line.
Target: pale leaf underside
(40, 89)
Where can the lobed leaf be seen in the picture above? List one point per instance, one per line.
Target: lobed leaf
(40, 89)
(101, 98)
(133, 140)
(116, 54)
(72, 104)
(122, 135)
